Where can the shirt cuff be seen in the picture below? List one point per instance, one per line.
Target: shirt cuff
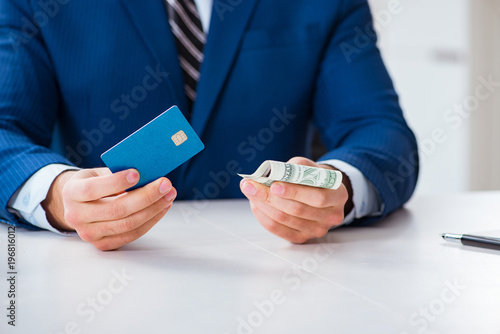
(366, 199)
(26, 201)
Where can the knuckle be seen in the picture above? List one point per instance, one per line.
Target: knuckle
(297, 210)
(335, 219)
(115, 210)
(299, 239)
(86, 234)
(161, 205)
(280, 216)
(107, 230)
(157, 207)
(319, 232)
(271, 226)
(149, 198)
(265, 196)
(299, 160)
(322, 200)
(66, 190)
(288, 190)
(104, 245)
(129, 237)
(71, 217)
(126, 224)
(87, 190)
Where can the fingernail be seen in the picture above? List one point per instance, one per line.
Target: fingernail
(170, 196)
(249, 189)
(132, 177)
(164, 187)
(277, 189)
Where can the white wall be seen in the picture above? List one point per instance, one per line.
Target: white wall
(485, 120)
(425, 46)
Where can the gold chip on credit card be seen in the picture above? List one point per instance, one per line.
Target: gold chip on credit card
(179, 138)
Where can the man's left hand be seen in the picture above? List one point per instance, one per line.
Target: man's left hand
(296, 212)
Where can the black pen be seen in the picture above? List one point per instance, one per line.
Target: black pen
(473, 240)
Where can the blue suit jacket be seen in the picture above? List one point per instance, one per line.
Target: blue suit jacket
(77, 76)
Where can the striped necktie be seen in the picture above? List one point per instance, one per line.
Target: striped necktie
(186, 26)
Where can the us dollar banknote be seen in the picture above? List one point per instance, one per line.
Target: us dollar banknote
(271, 171)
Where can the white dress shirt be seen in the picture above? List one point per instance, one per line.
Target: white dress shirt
(26, 202)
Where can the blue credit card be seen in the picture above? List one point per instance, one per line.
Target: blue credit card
(155, 149)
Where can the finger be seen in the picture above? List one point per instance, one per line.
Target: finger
(122, 206)
(312, 229)
(302, 161)
(329, 215)
(277, 229)
(93, 172)
(92, 185)
(301, 194)
(312, 196)
(326, 216)
(254, 190)
(315, 197)
(96, 231)
(117, 241)
(259, 193)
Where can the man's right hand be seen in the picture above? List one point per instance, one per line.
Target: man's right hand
(93, 202)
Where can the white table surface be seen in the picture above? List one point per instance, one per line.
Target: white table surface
(206, 267)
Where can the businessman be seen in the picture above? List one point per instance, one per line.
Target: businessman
(254, 77)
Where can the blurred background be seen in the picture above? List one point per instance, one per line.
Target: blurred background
(444, 58)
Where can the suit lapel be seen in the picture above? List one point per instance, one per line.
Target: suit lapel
(150, 18)
(227, 26)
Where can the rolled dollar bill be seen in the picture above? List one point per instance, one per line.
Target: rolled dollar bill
(271, 171)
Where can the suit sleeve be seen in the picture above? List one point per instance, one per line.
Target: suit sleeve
(357, 112)
(29, 103)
